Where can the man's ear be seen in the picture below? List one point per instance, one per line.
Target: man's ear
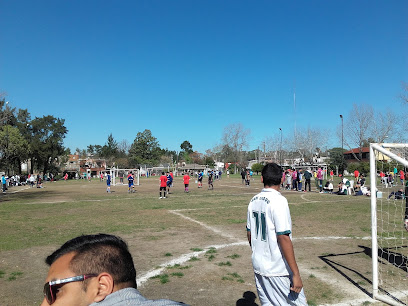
(261, 179)
(105, 286)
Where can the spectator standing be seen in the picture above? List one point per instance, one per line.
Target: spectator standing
(308, 176)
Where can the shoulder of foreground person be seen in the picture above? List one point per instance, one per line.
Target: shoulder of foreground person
(131, 296)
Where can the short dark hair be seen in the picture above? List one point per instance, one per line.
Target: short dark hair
(99, 253)
(272, 174)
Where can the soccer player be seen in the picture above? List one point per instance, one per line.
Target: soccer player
(200, 179)
(186, 180)
(172, 178)
(131, 187)
(269, 229)
(210, 180)
(169, 182)
(108, 183)
(163, 184)
(406, 206)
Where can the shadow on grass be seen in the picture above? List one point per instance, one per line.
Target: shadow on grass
(24, 197)
(394, 258)
(248, 299)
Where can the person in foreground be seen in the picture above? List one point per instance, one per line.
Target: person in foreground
(269, 229)
(95, 270)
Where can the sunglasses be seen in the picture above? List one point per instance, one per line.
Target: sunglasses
(51, 288)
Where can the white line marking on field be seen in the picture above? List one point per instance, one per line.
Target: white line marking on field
(213, 229)
(245, 187)
(17, 190)
(207, 208)
(307, 200)
(181, 260)
(331, 238)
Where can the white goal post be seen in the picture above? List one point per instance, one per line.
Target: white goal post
(389, 237)
(117, 173)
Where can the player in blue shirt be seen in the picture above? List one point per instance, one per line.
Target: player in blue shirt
(108, 183)
(169, 182)
(200, 179)
(131, 187)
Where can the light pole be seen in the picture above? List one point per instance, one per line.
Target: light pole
(342, 142)
(280, 149)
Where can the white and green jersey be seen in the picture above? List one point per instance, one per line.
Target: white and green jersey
(268, 216)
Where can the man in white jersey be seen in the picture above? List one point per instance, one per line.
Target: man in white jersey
(269, 228)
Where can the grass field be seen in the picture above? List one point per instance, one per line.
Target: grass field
(189, 247)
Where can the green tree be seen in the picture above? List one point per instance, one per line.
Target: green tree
(187, 147)
(110, 150)
(13, 146)
(208, 160)
(145, 149)
(48, 133)
(337, 159)
(257, 168)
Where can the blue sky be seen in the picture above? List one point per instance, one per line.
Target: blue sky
(186, 69)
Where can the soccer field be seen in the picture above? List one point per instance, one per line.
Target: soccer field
(189, 247)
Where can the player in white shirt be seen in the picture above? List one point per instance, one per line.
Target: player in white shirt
(269, 229)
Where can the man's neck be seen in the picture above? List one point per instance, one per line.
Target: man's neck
(275, 187)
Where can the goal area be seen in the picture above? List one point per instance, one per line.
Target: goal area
(389, 209)
(119, 176)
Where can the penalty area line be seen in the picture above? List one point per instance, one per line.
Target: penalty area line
(221, 233)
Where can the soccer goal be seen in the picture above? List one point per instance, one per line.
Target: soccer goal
(389, 209)
(119, 176)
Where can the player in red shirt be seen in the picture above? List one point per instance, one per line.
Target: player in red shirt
(172, 178)
(356, 174)
(163, 184)
(186, 179)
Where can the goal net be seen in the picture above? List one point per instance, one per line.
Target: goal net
(119, 176)
(389, 209)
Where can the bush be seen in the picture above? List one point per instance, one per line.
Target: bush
(257, 168)
(362, 167)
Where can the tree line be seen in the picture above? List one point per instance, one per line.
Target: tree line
(38, 140)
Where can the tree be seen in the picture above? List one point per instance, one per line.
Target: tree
(7, 113)
(123, 148)
(236, 137)
(145, 149)
(209, 161)
(110, 149)
(383, 126)
(358, 126)
(187, 147)
(257, 168)
(337, 159)
(363, 126)
(13, 147)
(307, 141)
(48, 133)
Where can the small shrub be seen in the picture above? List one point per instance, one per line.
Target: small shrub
(178, 274)
(234, 256)
(196, 249)
(227, 263)
(211, 251)
(194, 259)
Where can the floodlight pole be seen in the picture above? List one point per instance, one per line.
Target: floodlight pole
(280, 150)
(342, 140)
